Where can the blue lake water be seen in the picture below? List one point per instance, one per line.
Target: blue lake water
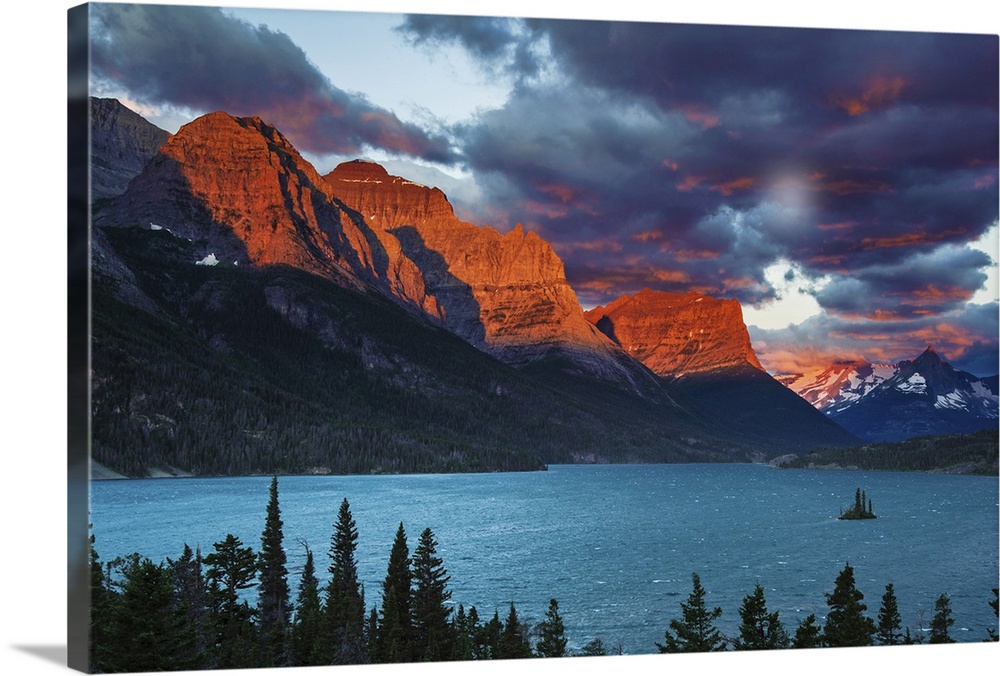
(614, 544)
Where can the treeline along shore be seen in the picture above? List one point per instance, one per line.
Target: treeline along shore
(195, 612)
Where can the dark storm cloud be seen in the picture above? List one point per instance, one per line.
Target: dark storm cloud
(488, 38)
(699, 155)
(924, 284)
(201, 58)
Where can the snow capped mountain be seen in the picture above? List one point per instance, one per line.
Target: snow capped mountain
(837, 387)
(949, 389)
(891, 403)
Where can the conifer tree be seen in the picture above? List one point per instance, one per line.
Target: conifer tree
(345, 606)
(513, 644)
(371, 634)
(191, 598)
(148, 631)
(552, 633)
(759, 630)
(433, 636)
(232, 568)
(808, 633)
(695, 631)
(102, 600)
(274, 606)
(394, 642)
(308, 619)
(941, 621)
(888, 631)
(846, 624)
(475, 633)
(594, 648)
(465, 632)
(488, 643)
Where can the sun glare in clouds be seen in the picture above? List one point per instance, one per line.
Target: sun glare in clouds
(988, 243)
(794, 300)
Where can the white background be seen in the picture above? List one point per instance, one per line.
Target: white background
(33, 307)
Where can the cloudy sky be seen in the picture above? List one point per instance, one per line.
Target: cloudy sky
(843, 185)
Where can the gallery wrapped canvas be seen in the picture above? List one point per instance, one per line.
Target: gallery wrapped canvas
(404, 338)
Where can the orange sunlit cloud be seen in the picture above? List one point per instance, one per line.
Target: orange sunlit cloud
(908, 239)
(982, 182)
(592, 245)
(670, 164)
(879, 315)
(879, 92)
(685, 255)
(841, 225)
(733, 283)
(832, 261)
(846, 186)
(546, 210)
(800, 359)
(935, 295)
(563, 192)
(599, 285)
(700, 115)
(689, 183)
(662, 275)
(648, 236)
(730, 187)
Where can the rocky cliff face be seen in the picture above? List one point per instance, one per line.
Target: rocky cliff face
(506, 294)
(238, 188)
(678, 334)
(121, 143)
(703, 347)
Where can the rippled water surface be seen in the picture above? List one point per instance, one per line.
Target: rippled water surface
(615, 545)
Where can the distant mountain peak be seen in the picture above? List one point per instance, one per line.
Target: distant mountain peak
(929, 356)
(894, 402)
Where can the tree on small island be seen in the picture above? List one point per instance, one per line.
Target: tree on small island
(862, 508)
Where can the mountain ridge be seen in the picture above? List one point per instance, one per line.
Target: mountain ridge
(233, 217)
(912, 398)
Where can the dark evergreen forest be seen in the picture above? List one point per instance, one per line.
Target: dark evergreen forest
(974, 453)
(235, 607)
(223, 371)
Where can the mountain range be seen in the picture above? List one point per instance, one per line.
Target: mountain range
(252, 315)
(895, 402)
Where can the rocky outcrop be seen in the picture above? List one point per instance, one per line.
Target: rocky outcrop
(240, 190)
(505, 293)
(121, 143)
(678, 334)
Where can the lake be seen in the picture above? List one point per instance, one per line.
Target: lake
(615, 544)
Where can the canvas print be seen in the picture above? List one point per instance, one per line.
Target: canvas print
(427, 338)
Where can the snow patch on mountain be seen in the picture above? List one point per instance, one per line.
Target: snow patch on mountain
(891, 403)
(915, 384)
(980, 390)
(953, 400)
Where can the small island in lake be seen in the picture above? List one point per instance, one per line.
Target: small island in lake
(862, 508)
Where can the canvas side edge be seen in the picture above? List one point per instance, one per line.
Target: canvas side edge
(78, 340)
